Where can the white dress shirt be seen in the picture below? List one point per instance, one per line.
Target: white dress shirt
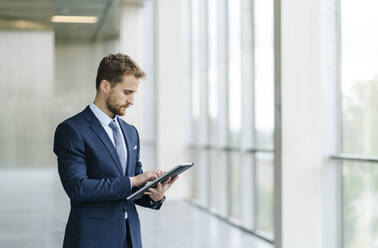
(105, 121)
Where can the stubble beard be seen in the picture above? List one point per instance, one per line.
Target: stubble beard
(121, 110)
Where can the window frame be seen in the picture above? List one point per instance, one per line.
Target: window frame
(223, 145)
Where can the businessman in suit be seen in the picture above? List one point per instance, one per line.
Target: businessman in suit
(99, 167)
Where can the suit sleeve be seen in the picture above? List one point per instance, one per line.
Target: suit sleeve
(70, 150)
(145, 200)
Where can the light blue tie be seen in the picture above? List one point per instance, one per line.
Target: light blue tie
(118, 144)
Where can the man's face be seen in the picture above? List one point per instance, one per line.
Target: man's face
(121, 96)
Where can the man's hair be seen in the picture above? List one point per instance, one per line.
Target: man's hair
(114, 66)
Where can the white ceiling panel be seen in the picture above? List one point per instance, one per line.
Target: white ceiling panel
(41, 11)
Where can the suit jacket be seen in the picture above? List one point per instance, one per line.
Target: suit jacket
(92, 177)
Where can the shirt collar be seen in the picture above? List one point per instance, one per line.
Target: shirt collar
(101, 116)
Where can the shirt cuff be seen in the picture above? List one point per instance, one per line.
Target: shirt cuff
(157, 204)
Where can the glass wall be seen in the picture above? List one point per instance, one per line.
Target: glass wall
(359, 81)
(233, 111)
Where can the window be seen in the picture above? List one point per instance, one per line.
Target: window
(264, 73)
(359, 81)
(234, 71)
(213, 75)
(195, 69)
(233, 85)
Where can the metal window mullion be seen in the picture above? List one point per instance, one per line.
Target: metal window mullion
(254, 192)
(194, 180)
(254, 131)
(277, 232)
(206, 72)
(340, 179)
(355, 157)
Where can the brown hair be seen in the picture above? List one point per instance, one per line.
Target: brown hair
(114, 66)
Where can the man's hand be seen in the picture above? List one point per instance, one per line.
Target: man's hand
(143, 178)
(158, 193)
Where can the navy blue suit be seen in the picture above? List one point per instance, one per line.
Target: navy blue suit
(91, 175)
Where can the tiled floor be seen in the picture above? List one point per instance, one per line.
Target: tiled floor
(34, 208)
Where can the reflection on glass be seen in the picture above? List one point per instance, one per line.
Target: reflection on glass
(359, 41)
(214, 178)
(360, 201)
(235, 181)
(203, 177)
(147, 155)
(360, 76)
(194, 176)
(218, 195)
(213, 59)
(234, 70)
(247, 185)
(213, 67)
(264, 73)
(265, 184)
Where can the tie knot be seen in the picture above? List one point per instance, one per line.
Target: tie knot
(113, 125)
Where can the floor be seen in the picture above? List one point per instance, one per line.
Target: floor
(34, 208)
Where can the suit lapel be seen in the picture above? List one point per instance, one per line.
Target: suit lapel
(127, 138)
(103, 136)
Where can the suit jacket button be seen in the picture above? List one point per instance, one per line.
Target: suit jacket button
(124, 209)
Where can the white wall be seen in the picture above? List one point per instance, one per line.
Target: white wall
(26, 91)
(42, 84)
(309, 124)
(173, 91)
(75, 74)
(137, 40)
(161, 111)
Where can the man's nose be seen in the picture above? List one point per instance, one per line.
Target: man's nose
(130, 100)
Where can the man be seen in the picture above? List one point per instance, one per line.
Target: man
(99, 167)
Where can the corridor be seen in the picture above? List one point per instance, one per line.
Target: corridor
(34, 209)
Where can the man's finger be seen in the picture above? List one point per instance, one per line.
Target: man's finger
(152, 175)
(167, 181)
(173, 180)
(158, 173)
(151, 191)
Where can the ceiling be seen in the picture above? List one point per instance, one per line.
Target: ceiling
(36, 15)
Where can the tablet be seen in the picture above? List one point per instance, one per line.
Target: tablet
(172, 173)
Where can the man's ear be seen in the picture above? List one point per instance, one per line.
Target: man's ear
(105, 86)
